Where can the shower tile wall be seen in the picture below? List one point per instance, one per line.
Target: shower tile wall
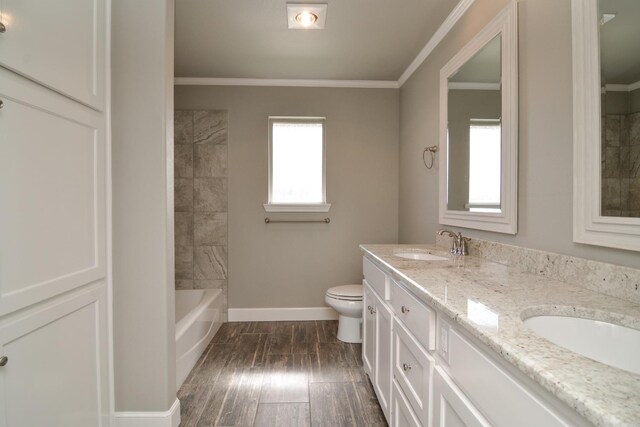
(200, 169)
(621, 165)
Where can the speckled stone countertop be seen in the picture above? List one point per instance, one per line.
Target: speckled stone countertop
(603, 395)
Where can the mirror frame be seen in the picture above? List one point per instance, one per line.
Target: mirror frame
(589, 226)
(506, 25)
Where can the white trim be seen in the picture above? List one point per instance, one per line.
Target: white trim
(170, 418)
(622, 88)
(280, 207)
(589, 226)
(506, 24)
(218, 81)
(474, 86)
(435, 40)
(281, 314)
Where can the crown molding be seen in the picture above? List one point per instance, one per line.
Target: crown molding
(215, 81)
(622, 88)
(434, 41)
(473, 86)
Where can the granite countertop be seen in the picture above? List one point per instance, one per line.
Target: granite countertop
(604, 395)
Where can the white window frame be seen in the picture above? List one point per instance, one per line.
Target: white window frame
(298, 207)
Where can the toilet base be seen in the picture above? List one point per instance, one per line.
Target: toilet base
(350, 329)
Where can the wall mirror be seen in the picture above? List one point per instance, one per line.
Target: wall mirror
(479, 130)
(606, 105)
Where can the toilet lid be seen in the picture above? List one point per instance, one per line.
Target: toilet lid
(350, 292)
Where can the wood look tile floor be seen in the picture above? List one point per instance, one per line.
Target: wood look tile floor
(279, 374)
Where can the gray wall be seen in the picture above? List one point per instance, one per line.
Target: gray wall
(545, 146)
(142, 165)
(292, 265)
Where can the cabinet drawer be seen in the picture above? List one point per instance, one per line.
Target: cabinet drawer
(419, 319)
(412, 369)
(494, 392)
(375, 277)
(402, 415)
(451, 408)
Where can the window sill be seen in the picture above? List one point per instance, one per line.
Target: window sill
(281, 207)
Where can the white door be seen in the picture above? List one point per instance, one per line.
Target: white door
(451, 408)
(368, 331)
(54, 280)
(383, 365)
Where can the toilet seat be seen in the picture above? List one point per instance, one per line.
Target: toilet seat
(346, 292)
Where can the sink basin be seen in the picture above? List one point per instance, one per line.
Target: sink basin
(421, 256)
(613, 345)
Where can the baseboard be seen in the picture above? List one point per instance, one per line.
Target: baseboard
(170, 418)
(278, 314)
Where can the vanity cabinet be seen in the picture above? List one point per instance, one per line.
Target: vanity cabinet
(451, 381)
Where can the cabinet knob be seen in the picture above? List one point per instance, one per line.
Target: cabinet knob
(3, 29)
(405, 309)
(406, 367)
(3, 361)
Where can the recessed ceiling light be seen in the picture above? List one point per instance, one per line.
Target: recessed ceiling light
(306, 16)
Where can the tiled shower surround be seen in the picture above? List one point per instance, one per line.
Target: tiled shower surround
(621, 165)
(200, 206)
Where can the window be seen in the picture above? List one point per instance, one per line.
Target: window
(484, 165)
(296, 165)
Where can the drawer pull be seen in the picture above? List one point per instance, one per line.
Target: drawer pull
(3, 361)
(2, 28)
(406, 367)
(1, 104)
(405, 309)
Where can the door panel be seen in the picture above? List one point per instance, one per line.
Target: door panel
(368, 332)
(54, 372)
(383, 366)
(59, 44)
(52, 180)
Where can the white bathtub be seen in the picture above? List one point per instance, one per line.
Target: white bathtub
(199, 314)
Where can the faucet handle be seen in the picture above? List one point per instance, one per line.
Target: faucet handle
(464, 248)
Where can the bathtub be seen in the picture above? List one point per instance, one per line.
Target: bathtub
(199, 314)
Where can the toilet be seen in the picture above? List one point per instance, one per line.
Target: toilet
(347, 301)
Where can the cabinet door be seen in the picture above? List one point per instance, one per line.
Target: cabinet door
(451, 408)
(368, 331)
(383, 365)
(402, 414)
(59, 44)
(55, 374)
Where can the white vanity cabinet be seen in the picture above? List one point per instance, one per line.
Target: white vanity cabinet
(451, 381)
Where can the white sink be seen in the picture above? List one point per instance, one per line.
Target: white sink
(613, 345)
(421, 256)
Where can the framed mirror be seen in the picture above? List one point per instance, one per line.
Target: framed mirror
(606, 125)
(479, 130)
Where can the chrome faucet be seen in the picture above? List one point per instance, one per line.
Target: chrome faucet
(459, 246)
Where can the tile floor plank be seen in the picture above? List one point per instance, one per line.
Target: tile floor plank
(283, 415)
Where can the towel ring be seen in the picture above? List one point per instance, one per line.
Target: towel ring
(432, 150)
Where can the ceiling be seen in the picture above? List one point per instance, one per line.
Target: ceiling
(362, 40)
(619, 51)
